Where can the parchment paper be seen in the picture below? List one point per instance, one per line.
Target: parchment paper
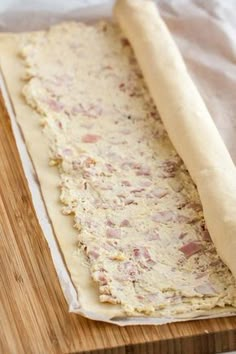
(204, 32)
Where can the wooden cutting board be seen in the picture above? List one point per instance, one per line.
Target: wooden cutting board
(34, 316)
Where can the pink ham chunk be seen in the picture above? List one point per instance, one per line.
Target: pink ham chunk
(128, 271)
(126, 183)
(125, 223)
(164, 216)
(153, 235)
(145, 183)
(143, 171)
(113, 233)
(129, 201)
(206, 289)
(169, 216)
(92, 110)
(169, 169)
(100, 276)
(137, 190)
(110, 222)
(190, 248)
(90, 138)
(159, 192)
(110, 168)
(55, 105)
(142, 255)
(93, 253)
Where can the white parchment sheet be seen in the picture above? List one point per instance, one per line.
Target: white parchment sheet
(205, 32)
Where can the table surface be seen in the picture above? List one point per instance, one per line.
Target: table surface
(34, 316)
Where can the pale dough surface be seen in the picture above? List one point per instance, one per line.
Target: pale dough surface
(88, 294)
(186, 119)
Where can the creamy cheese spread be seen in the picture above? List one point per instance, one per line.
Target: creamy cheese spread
(134, 204)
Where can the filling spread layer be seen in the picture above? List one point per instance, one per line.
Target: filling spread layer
(136, 209)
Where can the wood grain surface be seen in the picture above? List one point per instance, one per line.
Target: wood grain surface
(34, 316)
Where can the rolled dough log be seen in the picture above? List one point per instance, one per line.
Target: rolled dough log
(186, 119)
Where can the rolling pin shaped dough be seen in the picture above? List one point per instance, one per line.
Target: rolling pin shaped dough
(186, 119)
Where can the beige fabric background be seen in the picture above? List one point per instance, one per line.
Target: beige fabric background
(205, 32)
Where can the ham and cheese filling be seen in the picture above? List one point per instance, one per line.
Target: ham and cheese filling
(136, 209)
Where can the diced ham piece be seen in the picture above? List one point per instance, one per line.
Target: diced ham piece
(137, 190)
(141, 251)
(110, 168)
(90, 138)
(100, 276)
(145, 183)
(159, 192)
(129, 201)
(128, 270)
(153, 235)
(59, 124)
(93, 253)
(164, 216)
(125, 223)
(106, 187)
(110, 223)
(136, 252)
(121, 195)
(76, 109)
(143, 171)
(136, 166)
(93, 111)
(86, 125)
(108, 246)
(168, 215)
(55, 105)
(140, 297)
(182, 219)
(122, 86)
(113, 233)
(168, 169)
(190, 248)
(142, 254)
(130, 164)
(126, 183)
(206, 289)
